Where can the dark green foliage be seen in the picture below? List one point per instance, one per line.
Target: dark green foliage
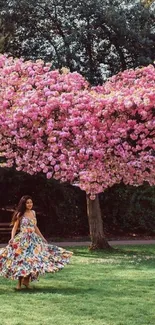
(97, 38)
(61, 208)
(128, 209)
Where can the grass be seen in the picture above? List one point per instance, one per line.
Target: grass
(97, 288)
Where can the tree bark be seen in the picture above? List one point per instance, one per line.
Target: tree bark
(98, 240)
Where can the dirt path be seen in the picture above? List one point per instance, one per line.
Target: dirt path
(111, 242)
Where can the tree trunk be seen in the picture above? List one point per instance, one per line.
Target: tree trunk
(98, 240)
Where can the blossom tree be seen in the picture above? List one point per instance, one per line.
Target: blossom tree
(55, 123)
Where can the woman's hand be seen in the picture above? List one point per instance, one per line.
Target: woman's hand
(10, 241)
(44, 240)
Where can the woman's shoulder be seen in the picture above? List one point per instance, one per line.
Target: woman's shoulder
(34, 213)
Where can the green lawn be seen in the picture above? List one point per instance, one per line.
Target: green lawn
(97, 288)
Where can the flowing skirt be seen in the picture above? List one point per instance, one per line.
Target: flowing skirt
(30, 255)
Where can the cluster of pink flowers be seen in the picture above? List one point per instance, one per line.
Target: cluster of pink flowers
(54, 122)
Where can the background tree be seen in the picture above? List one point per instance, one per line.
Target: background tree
(5, 35)
(96, 38)
(128, 210)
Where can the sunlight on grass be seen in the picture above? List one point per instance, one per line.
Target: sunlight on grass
(97, 288)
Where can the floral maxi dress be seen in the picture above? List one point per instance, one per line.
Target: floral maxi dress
(28, 254)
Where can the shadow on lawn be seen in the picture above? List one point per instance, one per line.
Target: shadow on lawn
(47, 290)
(139, 251)
(112, 286)
(61, 291)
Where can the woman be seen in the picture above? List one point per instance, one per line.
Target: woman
(28, 254)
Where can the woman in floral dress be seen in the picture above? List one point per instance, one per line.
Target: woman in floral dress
(28, 254)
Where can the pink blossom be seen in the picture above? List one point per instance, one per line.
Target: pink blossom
(94, 137)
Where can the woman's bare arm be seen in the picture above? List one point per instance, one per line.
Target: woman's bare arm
(38, 232)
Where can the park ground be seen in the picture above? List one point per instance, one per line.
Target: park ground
(96, 288)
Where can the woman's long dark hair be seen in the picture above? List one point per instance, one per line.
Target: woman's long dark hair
(21, 208)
